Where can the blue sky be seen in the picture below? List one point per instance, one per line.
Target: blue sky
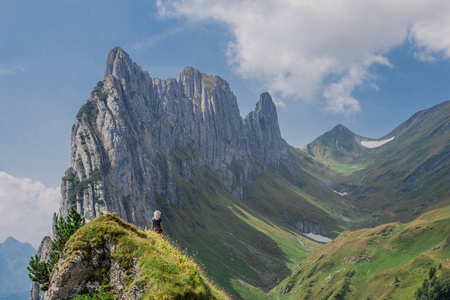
(366, 65)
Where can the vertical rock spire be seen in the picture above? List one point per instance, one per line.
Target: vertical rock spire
(117, 63)
(263, 131)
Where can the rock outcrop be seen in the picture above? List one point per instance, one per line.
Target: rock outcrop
(78, 275)
(43, 253)
(136, 134)
(110, 256)
(263, 131)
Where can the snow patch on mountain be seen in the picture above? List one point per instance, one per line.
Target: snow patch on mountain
(318, 237)
(375, 144)
(342, 194)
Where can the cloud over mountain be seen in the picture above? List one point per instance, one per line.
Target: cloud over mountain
(26, 208)
(320, 49)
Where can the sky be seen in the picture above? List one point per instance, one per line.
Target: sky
(368, 65)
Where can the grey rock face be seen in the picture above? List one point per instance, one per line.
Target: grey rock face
(137, 136)
(77, 275)
(263, 131)
(66, 282)
(307, 226)
(43, 252)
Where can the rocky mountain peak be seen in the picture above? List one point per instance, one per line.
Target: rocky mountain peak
(341, 130)
(137, 136)
(191, 79)
(117, 63)
(263, 130)
(266, 106)
(340, 143)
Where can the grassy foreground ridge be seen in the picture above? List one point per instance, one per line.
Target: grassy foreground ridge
(164, 272)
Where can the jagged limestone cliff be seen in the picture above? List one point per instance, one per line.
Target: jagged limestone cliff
(125, 135)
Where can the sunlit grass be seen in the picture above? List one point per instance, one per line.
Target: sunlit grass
(165, 272)
(387, 262)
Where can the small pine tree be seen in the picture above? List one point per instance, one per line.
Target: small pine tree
(433, 289)
(40, 271)
(432, 273)
(422, 292)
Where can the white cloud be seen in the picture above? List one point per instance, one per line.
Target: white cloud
(432, 37)
(278, 102)
(26, 208)
(294, 47)
(339, 95)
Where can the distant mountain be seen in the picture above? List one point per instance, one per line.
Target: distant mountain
(14, 258)
(339, 144)
(395, 178)
(387, 262)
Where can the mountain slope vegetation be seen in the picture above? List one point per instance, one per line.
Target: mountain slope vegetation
(390, 261)
(245, 251)
(396, 181)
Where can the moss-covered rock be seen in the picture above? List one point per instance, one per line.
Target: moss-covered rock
(111, 255)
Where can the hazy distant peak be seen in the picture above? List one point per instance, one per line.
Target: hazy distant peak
(10, 240)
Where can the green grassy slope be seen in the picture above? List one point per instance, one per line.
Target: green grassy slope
(165, 272)
(243, 250)
(249, 246)
(273, 194)
(387, 262)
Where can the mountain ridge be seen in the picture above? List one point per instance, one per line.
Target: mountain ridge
(399, 178)
(194, 109)
(230, 188)
(415, 120)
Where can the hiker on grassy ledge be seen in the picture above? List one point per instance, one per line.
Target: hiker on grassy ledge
(157, 222)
